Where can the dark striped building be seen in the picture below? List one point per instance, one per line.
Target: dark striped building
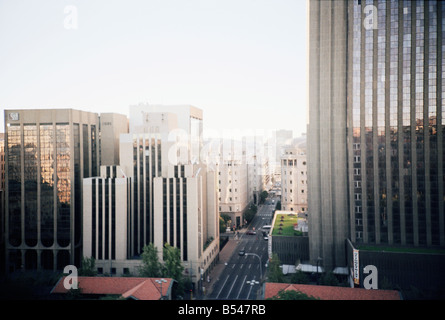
(376, 129)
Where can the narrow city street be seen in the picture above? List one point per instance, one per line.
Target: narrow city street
(243, 270)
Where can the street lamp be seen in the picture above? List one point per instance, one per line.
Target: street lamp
(161, 281)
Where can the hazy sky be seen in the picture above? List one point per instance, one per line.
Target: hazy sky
(243, 62)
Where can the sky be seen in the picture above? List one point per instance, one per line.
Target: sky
(243, 62)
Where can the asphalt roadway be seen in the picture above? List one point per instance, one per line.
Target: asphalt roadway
(240, 277)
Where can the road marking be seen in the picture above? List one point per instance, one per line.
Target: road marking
(250, 290)
(231, 287)
(242, 286)
(222, 286)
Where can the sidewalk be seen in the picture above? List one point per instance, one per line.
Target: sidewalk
(224, 256)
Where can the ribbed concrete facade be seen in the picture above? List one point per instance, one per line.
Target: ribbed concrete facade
(327, 156)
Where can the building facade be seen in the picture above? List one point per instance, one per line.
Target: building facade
(233, 181)
(48, 153)
(294, 180)
(106, 216)
(158, 194)
(111, 126)
(376, 125)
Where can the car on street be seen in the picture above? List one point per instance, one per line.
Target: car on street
(242, 252)
(266, 238)
(251, 232)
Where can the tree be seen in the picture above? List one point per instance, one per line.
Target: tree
(275, 274)
(173, 267)
(263, 196)
(292, 295)
(250, 212)
(224, 222)
(329, 279)
(151, 267)
(300, 277)
(88, 267)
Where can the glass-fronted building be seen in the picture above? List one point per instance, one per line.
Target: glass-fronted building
(47, 153)
(397, 120)
(376, 125)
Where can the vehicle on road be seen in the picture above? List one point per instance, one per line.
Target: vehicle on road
(242, 252)
(251, 232)
(266, 238)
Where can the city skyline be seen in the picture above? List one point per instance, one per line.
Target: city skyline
(212, 129)
(233, 60)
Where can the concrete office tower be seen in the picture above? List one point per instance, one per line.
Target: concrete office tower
(280, 139)
(294, 180)
(186, 216)
(105, 221)
(189, 124)
(2, 200)
(327, 153)
(376, 125)
(2, 161)
(144, 155)
(257, 167)
(111, 126)
(233, 180)
(48, 153)
(173, 199)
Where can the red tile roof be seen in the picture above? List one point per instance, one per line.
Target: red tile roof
(137, 288)
(332, 293)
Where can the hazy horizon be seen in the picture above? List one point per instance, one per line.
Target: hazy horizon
(242, 62)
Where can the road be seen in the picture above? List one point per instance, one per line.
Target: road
(232, 283)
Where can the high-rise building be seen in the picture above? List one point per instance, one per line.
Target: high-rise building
(233, 181)
(257, 168)
(158, 194)
(280, 139)
(376, 142)
(48, 153)
(106, 212)
(294, 180)
(2, 200)
(111, 126)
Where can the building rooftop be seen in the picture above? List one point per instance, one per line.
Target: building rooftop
(127, 287)
(288, 223)
(331, 292)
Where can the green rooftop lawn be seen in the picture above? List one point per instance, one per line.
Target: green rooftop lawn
(287, 227)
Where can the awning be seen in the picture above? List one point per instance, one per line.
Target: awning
(309, 268)
(288, 268)
(341, 270)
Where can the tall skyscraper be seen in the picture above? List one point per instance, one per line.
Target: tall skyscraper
(376, 142)
(48, 152)
(327, 138)
(158, 194)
